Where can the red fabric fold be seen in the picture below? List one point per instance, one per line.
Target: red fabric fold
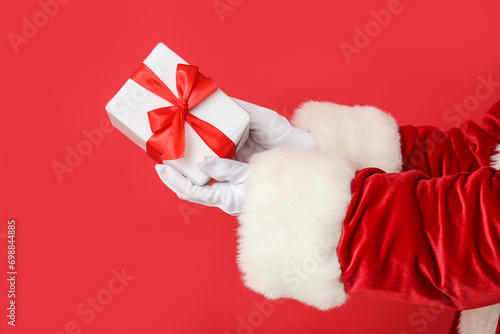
(435, 152)
(424, 240)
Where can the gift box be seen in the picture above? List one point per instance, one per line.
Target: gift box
(176, 114)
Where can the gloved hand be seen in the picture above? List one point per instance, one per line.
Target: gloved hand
(227, 194)
(267, 130)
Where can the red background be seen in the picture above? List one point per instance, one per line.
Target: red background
(111, 211)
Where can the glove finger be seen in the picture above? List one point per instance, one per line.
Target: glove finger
(224, 169)
(227, 196)
(184, 188)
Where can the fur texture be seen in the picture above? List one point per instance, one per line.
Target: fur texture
(495, 159)
(291, 222)
(480, 320)
(369, 136)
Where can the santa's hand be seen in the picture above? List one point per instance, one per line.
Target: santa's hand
(226, 194)
(268, 130)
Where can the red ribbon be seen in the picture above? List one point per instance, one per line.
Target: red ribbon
(167, 124)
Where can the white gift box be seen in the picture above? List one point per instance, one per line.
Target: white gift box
(128, 110)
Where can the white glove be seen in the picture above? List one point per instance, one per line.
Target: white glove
(267, 130)
(226, 194)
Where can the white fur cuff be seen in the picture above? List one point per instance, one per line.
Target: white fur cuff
(495, 159)
(480, 320)
(290, 226)
(369, 136)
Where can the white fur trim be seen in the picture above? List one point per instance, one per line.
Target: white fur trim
(369, 136)
(482, 320)
(291, 222)
(495, 159)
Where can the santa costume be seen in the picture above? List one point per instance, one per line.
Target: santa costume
(399, 212)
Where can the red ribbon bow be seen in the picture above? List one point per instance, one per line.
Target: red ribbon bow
(167, 124)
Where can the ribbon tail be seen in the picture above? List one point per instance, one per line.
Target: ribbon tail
(213, 137)
(176, 141)
(155, 145)
(167, 143)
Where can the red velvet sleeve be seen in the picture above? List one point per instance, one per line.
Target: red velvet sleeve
(464, 149)
(424, 240)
